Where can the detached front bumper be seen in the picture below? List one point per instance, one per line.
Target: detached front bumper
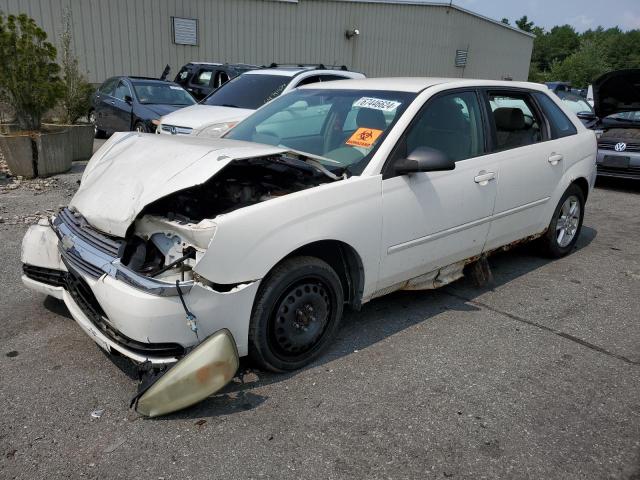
(116, 311)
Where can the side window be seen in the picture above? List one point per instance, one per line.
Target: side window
(308, 80)
(108, 86)
(202, 78)
(121, 91)
(451, 123)
(516, 120)
(561, 126)
(220, 79)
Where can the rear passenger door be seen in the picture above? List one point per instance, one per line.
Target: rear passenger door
(530, 162)
(200, 83)
(104, 102)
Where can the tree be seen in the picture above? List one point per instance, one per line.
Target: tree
(582, 67)
(28, 70)
(76, 98)
(505, 20)
(523, 23)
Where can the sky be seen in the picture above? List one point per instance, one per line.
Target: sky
(581, 14)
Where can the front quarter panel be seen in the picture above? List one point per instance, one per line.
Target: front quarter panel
(250, 241)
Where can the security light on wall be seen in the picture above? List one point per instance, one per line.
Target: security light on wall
(352, 33)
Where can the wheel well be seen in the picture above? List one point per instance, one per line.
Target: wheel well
(344, 260)
(583, 185)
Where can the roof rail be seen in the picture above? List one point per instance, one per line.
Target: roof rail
(316, 66)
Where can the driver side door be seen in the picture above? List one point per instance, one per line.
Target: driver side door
(434, 219)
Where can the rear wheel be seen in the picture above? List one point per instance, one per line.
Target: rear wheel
(297, 312)
(565, 226)
(93, 120)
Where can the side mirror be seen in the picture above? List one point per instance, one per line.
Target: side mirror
(424, 159)
(128, 99)
(586, 115)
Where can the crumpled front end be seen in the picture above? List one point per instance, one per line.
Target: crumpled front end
(140, 317)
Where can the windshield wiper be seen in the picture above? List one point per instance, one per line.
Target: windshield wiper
(229, 105)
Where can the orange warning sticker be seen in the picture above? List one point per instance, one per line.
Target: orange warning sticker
(364, 137)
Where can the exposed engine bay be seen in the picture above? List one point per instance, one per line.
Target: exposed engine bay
(171, 234)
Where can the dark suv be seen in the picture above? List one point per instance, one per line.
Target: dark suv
(202, 78)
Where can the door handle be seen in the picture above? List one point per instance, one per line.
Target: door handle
(554, 158)
(113, 102)
(484, 177)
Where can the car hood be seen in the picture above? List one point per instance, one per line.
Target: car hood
(132, 170)
(617, 92)
(161, 110)
(200, 116)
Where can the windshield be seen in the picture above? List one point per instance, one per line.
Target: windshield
(344, 126)
(163, 94)
(576, 104)
(633, 117)
(248, 91)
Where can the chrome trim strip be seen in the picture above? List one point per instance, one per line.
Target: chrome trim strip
(443, 233)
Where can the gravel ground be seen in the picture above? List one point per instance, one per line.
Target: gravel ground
(537, 377)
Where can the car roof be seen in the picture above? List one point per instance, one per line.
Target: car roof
(148, 80)
(417, 84)
(293, 71)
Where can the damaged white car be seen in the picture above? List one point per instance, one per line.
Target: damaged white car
(184, 254)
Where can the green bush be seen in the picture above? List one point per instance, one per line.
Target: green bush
(76, 97)
(29, 74)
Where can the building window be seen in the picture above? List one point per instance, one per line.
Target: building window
(185, 31)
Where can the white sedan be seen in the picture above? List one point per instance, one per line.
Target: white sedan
(185, 253)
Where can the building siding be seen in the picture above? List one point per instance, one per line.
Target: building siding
(120, 37)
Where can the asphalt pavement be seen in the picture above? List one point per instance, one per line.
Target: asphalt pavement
(537, 376)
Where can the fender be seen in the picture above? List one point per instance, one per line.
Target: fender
(250, 241)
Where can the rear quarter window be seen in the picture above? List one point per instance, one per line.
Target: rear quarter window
(560, 124)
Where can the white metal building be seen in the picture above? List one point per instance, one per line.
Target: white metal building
(395, 37)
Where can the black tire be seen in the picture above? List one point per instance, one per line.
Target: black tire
(97, 133)
(551, 242)
(296, 314)
(140, 127)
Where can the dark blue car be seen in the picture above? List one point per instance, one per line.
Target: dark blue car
(134, 103)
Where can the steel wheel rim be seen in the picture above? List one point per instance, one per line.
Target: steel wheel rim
(301, 318)
(568, 221)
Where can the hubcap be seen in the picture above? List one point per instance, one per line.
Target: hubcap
(300, 318)
(92, 119)
(568, 220)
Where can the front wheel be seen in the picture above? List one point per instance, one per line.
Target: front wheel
(296, 314)
(94, 121)
(140, 127)
(565, 226)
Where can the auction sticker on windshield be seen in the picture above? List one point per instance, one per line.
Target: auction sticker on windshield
(377, 104)
(364, 137)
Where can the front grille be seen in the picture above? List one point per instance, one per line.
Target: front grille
(606, 144)
(88, 303)
(620, 171)
(79, 227)
(55, 278)
(176, 130)
(77, 236)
